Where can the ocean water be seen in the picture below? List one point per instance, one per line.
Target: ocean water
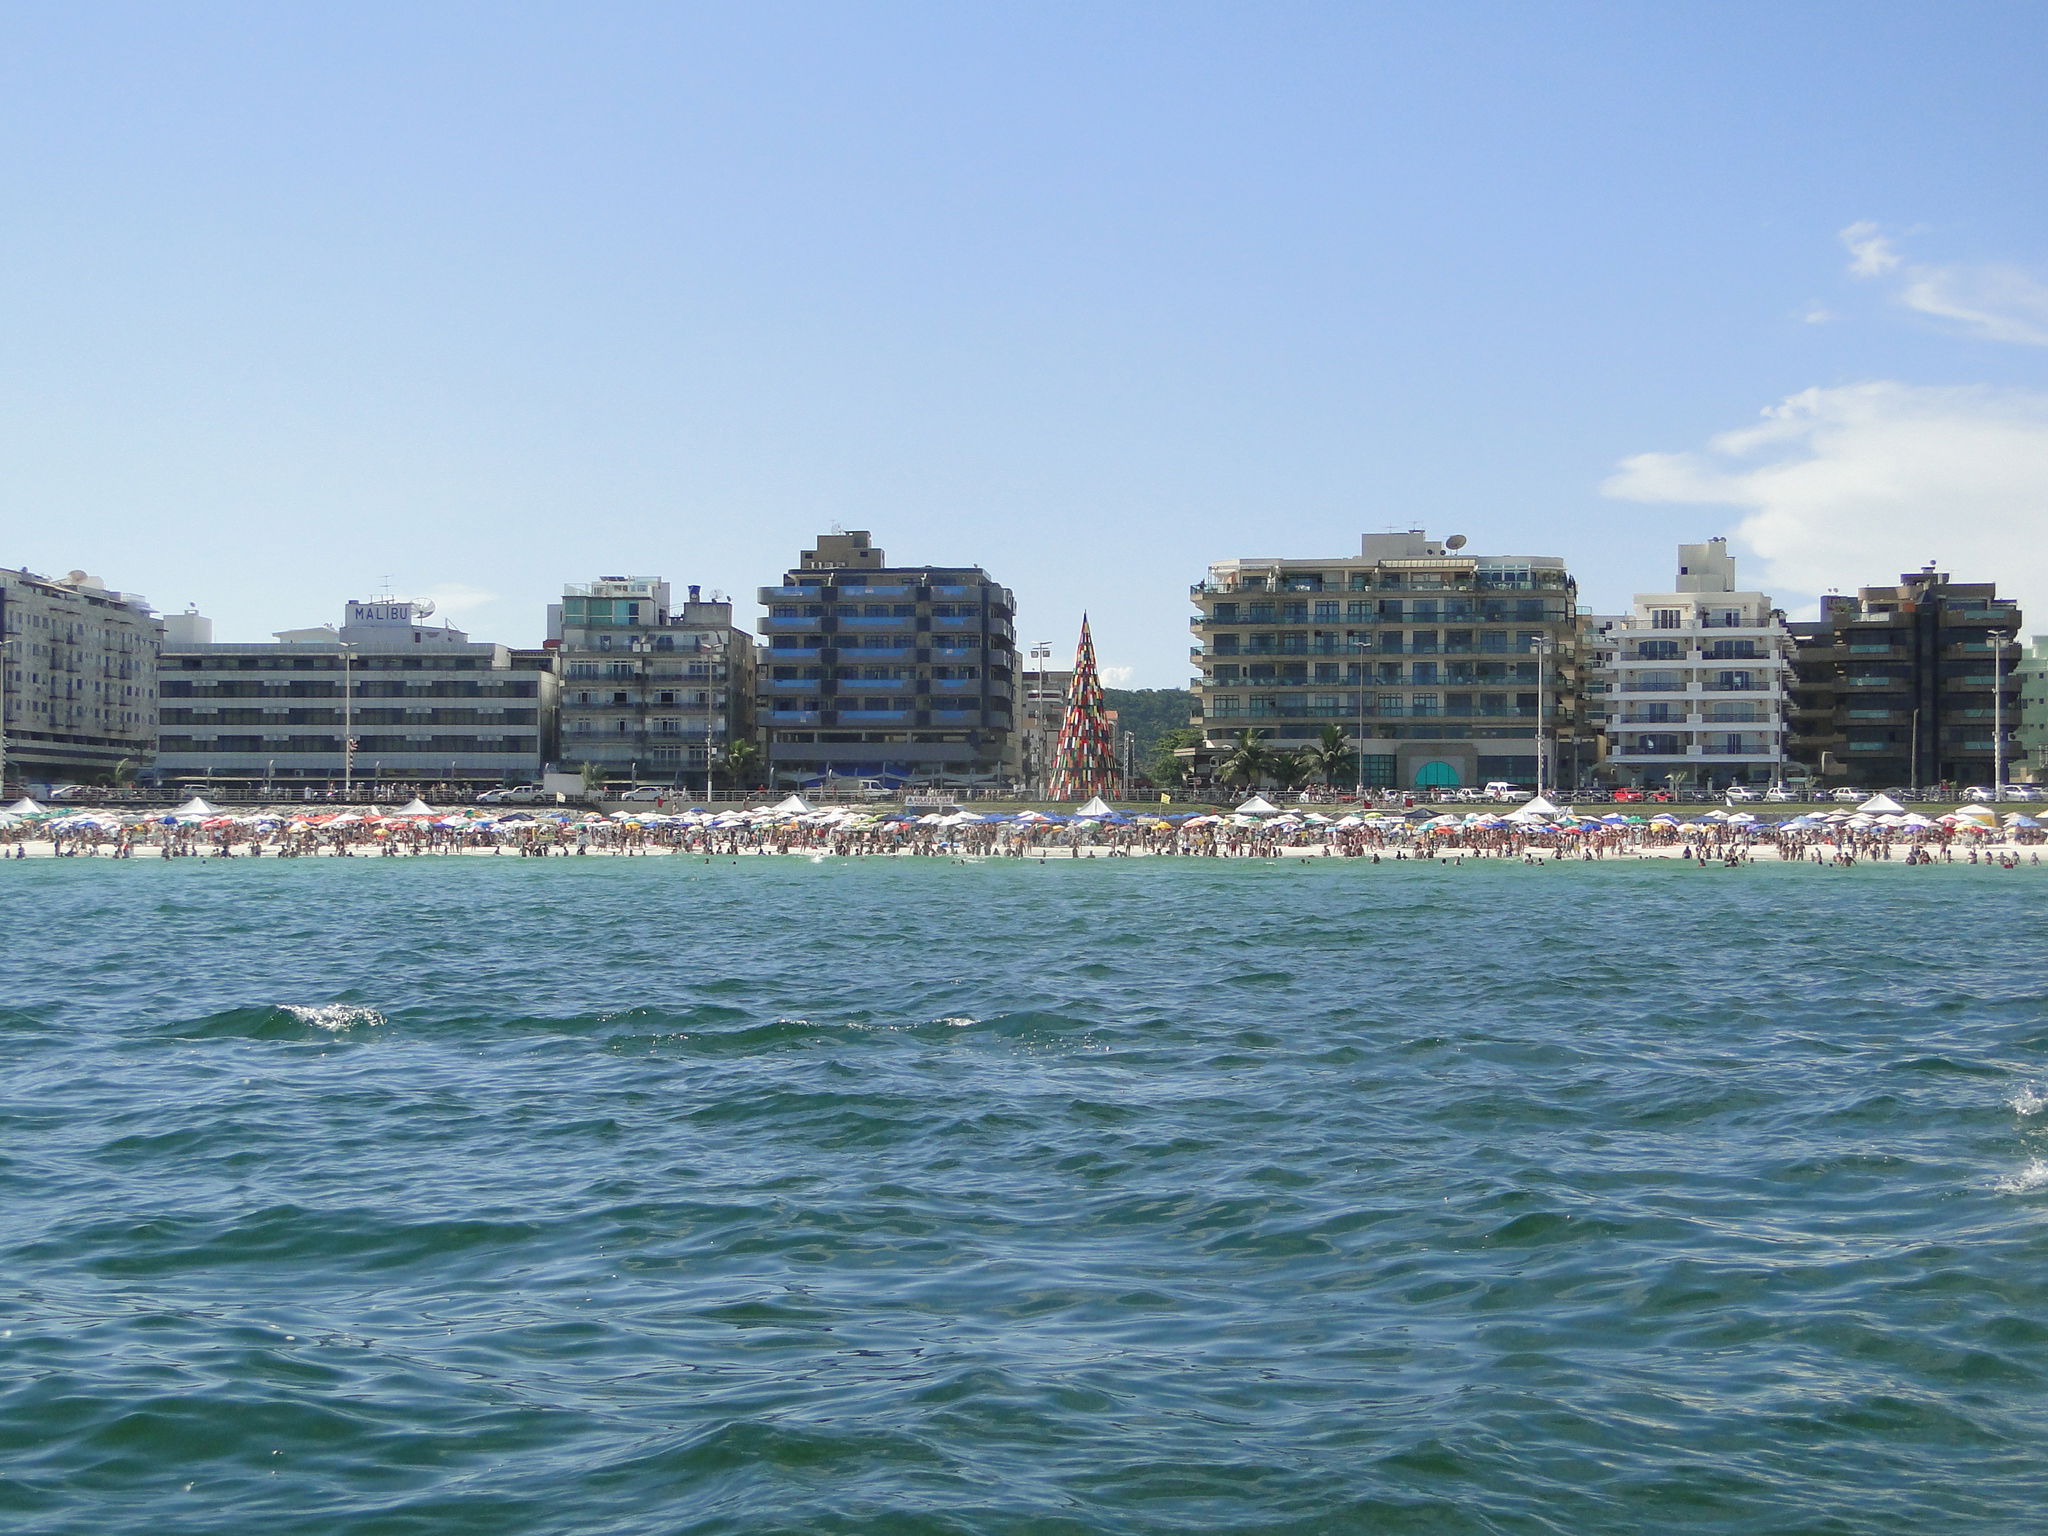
(410, 1197)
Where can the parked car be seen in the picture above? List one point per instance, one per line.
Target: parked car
(1977, 792)
(1778, 794)
(651, 792)
(2022, 792)
(1501, 789)
(516, 794)
(1742, 794)
(1850, 796)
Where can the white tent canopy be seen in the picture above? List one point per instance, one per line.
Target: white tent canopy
(25, 807)
(414, 807)
(793, 805)
(195, 807)
(1882, 805)
(1101, 807)
(1538, 806)
(1258, 805)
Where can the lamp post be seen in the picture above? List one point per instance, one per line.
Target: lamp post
(1543, 646)
(4, 643)
(1998, 643)
(1358, 645)
(1041, 653)
(348, 722)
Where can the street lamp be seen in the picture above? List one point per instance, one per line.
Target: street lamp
(1543, 646)
(1041, 653)
(1999, 640)
(1358, 645)
(348, 722)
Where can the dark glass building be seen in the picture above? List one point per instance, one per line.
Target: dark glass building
(905, 674)
(1907, 686)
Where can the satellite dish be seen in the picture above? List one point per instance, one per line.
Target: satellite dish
(424, 609)
(1455, 541)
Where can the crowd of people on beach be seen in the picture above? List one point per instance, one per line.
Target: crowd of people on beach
(1715, 839)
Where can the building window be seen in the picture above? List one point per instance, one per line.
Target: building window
(1667, 618)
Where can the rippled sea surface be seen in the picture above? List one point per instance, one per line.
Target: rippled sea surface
(597, 1196)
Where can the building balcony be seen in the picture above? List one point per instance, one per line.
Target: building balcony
(952, 716)
(791, 684)
(790, 716)
(874, 653)
(784, 625)
(873, 716)
(965, 621)
(956, 685)
(897, 593)
(789, 594)
(781, 653)
(867, 621)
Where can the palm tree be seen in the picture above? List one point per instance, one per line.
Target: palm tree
(742, 761)
(1248, 762)
(1331, 757)
(1291, 770)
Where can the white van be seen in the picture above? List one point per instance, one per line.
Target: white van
(1501, 789)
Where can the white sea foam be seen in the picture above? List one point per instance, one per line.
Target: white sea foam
(333, 1016)
(2028, 1101)
(2032, 1177)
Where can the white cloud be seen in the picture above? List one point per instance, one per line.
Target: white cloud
(1847, 487)
(1116, 677)
(1871, 254)
(1819, 314)
(1993, 301)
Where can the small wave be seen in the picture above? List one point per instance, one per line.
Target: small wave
(2032, 1177)
(2028, 1101)
(332, 1016)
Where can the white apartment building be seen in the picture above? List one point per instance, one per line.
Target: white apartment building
(385, 697)
(78, 668)
(1693, 681)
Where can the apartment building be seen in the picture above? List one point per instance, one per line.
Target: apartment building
(1908, 686)
(78, 680)
(651, 692)
(1451, 668)
(1691, 684)
(2031, 760)
(906, 673)
(385, 697)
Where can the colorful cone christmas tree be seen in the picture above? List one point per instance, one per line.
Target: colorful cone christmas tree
(1084, 759)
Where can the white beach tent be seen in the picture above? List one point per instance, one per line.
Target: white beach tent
(25, 807)
(1258, 805)
(1537, 806)
(1101, 807)
(414, 807)
(195, 807)
(793, 805)
(1882, 805)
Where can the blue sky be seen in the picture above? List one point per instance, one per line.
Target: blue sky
(486, 298)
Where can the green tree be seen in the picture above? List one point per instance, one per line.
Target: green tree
(1290, 770)
(1162, 767)
(1250, 760)
(1330, 758)
(742, 764)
